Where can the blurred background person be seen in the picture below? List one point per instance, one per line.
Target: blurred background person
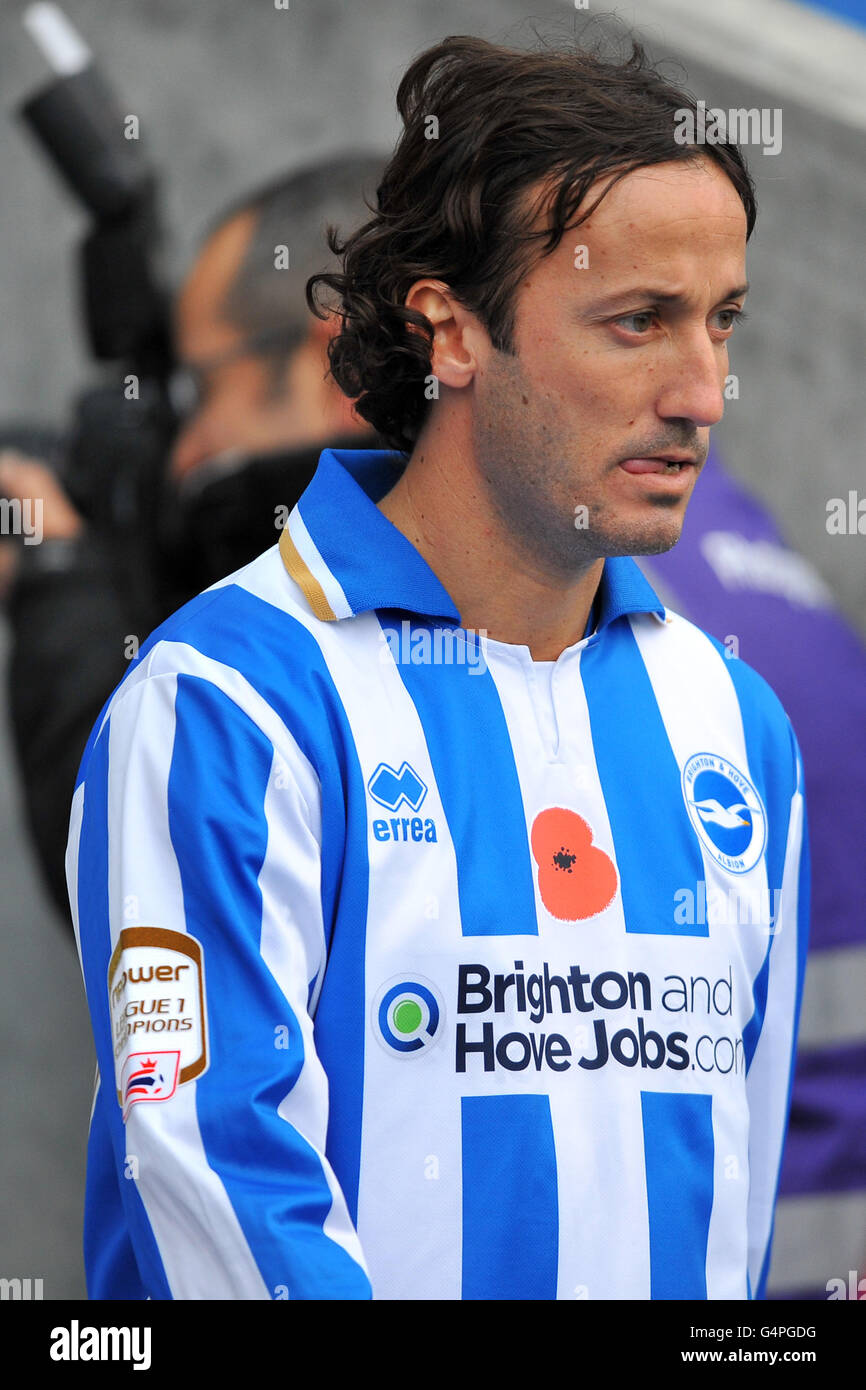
(261, 407)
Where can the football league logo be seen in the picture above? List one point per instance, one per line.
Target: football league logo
(726, 811)
(149, 1076)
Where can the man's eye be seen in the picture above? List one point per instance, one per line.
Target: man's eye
(638, 323)
(730, 317)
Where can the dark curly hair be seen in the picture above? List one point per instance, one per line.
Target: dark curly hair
(482, 125)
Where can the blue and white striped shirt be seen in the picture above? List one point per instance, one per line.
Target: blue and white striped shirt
(420, 968)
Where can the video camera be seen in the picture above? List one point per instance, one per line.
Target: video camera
(112, 462)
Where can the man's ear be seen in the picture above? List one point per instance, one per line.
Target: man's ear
(453, 359)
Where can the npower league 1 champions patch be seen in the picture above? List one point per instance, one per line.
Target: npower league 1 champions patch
(157, 1002)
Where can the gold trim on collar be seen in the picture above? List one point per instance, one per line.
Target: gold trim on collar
(304, 578)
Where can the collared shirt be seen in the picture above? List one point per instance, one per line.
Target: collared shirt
(421, 968)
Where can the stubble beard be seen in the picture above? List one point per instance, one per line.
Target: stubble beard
(536, 495)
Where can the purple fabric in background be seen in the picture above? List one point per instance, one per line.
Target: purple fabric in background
(733, 575)
(828, 1119)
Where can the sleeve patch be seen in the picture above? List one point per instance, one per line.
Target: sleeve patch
(156, 997)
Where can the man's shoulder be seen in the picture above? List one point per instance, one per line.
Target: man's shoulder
(705, 661)
(248, 629)
(247, 643)
(254, 618)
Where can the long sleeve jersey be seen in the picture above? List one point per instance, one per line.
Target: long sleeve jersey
(421, 969)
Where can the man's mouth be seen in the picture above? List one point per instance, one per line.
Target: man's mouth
(666, 464)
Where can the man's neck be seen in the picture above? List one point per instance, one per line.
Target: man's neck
(441, 506)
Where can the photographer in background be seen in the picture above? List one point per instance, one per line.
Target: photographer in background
(254, 363)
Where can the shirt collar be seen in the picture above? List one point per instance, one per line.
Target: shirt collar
(348, 558)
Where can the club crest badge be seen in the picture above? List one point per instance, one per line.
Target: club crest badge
(726, 812)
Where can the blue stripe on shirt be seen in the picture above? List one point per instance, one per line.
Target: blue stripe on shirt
(679, 1151)
(219, 775)
(107, 1127)
(773, 770)
(282, 661)
(657, 850)
(109, 1257)
(777, 772)
(510, 1198)
(474, 766)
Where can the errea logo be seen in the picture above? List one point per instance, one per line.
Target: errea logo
(392, 789)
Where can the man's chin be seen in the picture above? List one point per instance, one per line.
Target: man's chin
(659, 548)
(645, 540)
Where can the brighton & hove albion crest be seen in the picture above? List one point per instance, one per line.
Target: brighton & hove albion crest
(726, 811)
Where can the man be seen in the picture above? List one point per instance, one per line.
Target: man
(260, 410)
(243, 332)
(381, 856)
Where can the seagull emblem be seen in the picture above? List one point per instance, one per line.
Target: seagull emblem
(728, 817)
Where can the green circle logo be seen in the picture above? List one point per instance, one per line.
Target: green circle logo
(407, 1016)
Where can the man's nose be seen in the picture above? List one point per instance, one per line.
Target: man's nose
(694, 388)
